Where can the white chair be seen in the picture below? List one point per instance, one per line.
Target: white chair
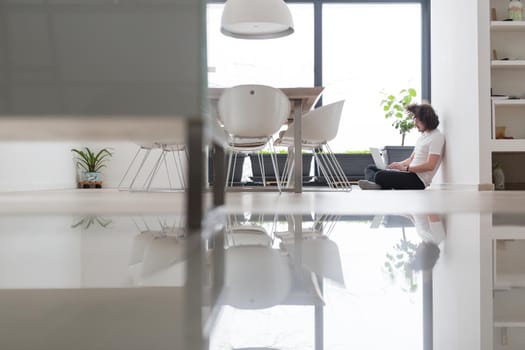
(175, 163)
(319, 126)
(251, 115)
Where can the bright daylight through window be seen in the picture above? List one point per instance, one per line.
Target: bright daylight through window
(367, 49)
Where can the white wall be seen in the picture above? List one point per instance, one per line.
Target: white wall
(460, 87)
(36, 166)
(29, 166)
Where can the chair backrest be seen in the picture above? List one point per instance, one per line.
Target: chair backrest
(322, 124)
(253, 110)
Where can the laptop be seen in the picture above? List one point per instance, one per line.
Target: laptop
(378, 158)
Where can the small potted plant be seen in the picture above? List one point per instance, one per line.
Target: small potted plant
(394, 107)
(90, 163)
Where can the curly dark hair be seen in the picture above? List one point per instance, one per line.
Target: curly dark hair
(425, 113)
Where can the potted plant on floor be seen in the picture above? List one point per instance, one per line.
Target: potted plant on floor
(281, 157)
(90, 164)
(394, 107)
(236, 168)
(353, 163)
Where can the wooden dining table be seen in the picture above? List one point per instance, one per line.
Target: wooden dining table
(302, 99)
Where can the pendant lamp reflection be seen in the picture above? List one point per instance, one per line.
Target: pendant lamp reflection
(256, 19)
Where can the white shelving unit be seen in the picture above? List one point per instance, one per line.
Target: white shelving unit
(507, 45)
(508, 286)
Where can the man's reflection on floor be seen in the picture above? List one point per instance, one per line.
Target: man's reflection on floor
(422, 257)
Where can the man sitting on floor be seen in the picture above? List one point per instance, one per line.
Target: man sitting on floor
(415, 172)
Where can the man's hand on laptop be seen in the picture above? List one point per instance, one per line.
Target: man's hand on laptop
(396, 166)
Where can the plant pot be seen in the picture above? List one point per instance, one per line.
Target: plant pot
(235, 170)
(353, 165)
(281, 160)
(91, 176)
(397, 153)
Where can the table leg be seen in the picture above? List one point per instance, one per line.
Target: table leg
(219, 174)
(194, 202)
(298, 166)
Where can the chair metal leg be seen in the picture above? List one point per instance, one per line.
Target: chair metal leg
(276, 170)
(332, 170)
(180, 166)
(286, 171)
(261, 166)
(154, 171)
(273, 156)
(229, 167)
(144, 159)
(233, 168)
(339, 170)
(129, 167)
(167, 169)
(322, 169)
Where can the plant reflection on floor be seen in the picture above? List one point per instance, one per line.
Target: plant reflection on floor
(409, 258)
(87, 221)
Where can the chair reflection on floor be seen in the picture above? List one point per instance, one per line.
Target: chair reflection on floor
(318, 254)
(158, 256)
(256, 275)
(137, 171)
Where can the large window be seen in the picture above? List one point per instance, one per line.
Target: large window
(356, 50)
(369, 49)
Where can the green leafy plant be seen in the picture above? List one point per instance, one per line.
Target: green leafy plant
(91, 162)
(394, 106)
(279, 151)
(364, 151)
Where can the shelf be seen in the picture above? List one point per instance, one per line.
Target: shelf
(509, 324)
(509, 102)
(507, 26)
(517, 145)
(508, 232)
(508, 64)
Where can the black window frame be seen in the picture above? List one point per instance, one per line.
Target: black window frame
(318, 36)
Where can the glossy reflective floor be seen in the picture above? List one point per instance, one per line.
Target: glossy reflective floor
(297, 279)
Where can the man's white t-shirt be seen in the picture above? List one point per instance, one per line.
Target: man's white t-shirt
(430, 142)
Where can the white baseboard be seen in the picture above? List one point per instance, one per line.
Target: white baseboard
(463, 187)
(39, 187)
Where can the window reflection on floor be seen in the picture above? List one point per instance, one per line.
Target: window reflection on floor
(311, 281)
(351, 277)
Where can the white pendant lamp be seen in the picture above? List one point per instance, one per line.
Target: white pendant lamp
(256, 19)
